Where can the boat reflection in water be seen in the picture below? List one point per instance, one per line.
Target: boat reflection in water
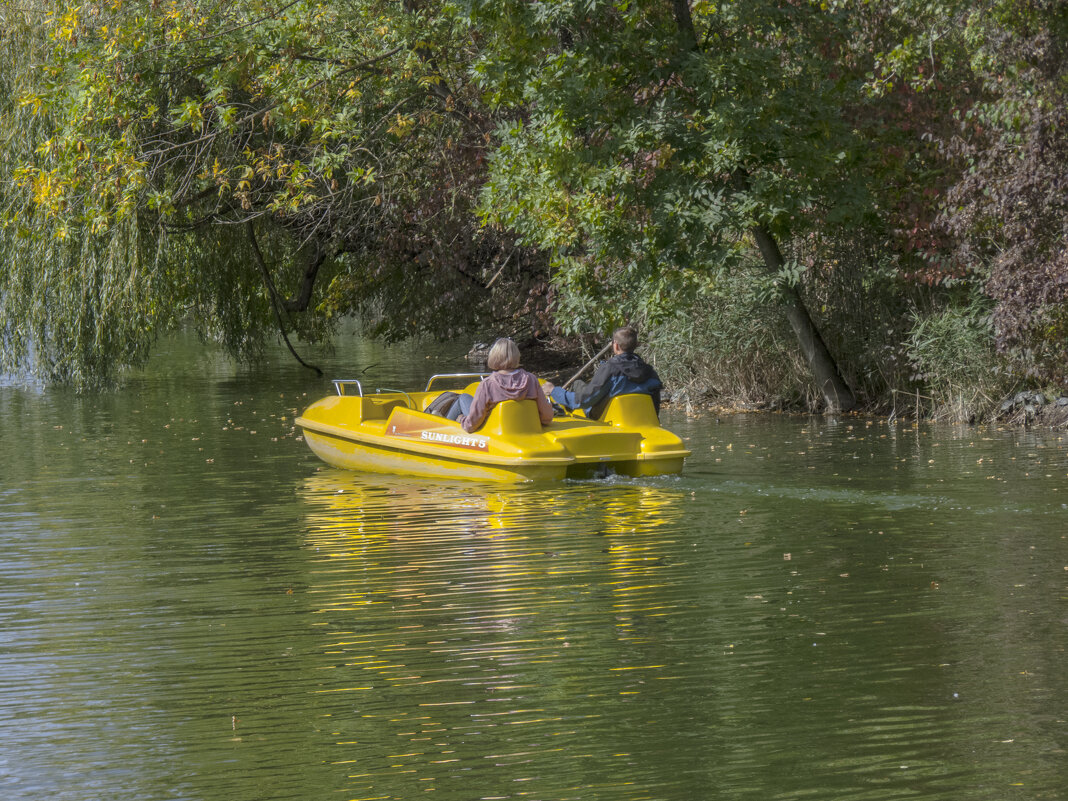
(352, 512)
(383, 528)
(423, 546)
(454, 616)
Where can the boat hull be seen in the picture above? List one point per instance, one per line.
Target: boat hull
(351, 454)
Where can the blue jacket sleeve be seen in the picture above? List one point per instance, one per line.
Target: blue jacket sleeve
(590, 395)
(597, 390)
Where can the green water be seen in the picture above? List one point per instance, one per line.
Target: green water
(193, 607)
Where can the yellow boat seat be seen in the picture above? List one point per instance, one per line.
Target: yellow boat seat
(512, 417)
(635, 410)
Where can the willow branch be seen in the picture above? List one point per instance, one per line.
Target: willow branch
(273, 292)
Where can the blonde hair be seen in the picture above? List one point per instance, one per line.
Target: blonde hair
(504, 355)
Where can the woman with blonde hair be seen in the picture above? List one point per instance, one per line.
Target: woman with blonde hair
(508, 381)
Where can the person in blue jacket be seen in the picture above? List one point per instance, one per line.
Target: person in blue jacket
(623, 373)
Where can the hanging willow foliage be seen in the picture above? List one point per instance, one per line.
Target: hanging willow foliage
(219, 164)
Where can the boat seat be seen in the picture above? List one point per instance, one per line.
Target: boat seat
(633, 410)
(513, 417)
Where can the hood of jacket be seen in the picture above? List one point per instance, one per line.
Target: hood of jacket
(512, 385)
(633, 368)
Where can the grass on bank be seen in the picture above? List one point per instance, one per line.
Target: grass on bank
(935, 360)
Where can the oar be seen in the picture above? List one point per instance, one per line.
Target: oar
(586, 366)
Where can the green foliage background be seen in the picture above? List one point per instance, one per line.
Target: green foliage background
(546, 170)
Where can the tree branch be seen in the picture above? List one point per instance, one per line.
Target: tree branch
(273, 292)
(300, 301)
(216, 35)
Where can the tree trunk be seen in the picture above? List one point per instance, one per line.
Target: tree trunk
(684, 19)
(838, 396)
(300, 301)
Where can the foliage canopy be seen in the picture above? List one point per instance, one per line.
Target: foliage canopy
(435, 165)
(230, 161)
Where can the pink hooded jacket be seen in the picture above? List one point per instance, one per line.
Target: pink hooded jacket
(503, 385)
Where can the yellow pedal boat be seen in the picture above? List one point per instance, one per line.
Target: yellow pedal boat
(388, 431)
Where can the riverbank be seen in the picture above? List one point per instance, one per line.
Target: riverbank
(560, 358)
(1052, 416)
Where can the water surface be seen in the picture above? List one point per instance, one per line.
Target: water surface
(193, 607)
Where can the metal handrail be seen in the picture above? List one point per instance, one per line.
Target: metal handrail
(411, 403)
(339, 384)
(479, 376)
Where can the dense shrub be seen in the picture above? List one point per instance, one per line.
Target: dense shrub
(953, 352)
